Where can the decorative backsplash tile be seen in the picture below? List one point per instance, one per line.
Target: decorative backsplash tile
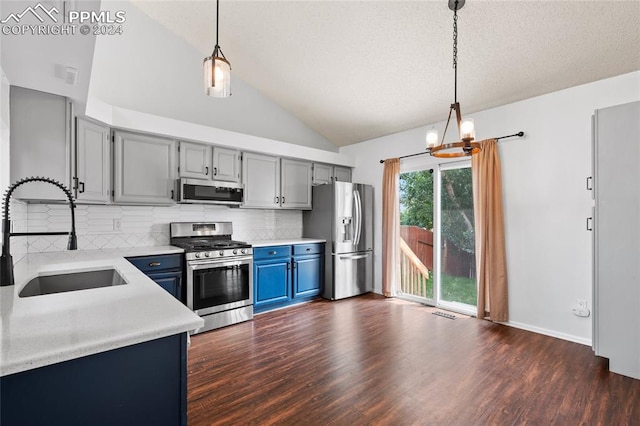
(145, 225)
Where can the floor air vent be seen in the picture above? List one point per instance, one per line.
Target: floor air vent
(442, 314)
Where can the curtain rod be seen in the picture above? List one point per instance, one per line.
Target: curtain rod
(519, 134)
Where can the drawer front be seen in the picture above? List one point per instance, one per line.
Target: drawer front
(314, 248)
(271, 252)
(150, 264)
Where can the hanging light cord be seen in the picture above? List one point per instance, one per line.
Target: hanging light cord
(455, 68)
(217, 20)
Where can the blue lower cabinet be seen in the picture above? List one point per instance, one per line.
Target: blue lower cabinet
(166, 270)
(281, 277)
(170, 281)
(142, 384)
(271, 281)
(307, 276)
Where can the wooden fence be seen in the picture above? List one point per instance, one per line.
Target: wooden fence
(455, 262)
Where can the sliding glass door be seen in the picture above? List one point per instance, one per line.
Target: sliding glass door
(416, 236)
(437, 245)
(456, 281)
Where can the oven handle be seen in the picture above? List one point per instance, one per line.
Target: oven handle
(207, 264)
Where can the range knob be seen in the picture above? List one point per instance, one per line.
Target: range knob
(221, 253)
(235, 251)
(207, 254)
(243, 251)
(197, 255)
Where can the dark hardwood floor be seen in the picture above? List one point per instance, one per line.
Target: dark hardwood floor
(371, 360)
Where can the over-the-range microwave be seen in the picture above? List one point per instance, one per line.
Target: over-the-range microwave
(211, 192)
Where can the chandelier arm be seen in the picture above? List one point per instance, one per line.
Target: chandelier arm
(447, 126)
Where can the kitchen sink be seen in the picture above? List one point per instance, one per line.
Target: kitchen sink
(72, 281)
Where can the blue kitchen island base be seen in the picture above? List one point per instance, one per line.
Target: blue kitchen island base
(142, 384)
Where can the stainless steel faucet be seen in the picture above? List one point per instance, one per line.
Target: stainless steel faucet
(6, 261)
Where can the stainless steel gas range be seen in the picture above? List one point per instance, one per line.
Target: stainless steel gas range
(219, 272)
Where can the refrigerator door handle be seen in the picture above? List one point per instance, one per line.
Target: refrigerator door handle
(358, 217)
(355, 256)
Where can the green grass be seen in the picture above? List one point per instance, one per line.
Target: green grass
(454, 289)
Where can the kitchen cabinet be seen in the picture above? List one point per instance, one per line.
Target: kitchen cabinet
(195, 160)
(342, 174)
(141, 384)
(144, 169)
(165, 270)
(40, 142)
(295, 184)
(92, 162)
(326, 173)
(307, 270)
(226, 164)
(285, 275)
(272, 183)
(616, 182)
(261, 179)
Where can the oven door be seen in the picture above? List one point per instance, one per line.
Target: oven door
(219, 285)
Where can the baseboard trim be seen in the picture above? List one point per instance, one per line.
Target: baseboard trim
(547, 332)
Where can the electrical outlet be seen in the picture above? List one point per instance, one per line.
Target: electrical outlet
(117, 224)
(581, 309)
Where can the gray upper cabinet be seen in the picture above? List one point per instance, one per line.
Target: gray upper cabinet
(342, 174)
(92, 179)
(326, 173)
(195, 161)
(40, 142)
(322, 174)
(144, 169)
(295, 184)
(226, 164)
(261, 179)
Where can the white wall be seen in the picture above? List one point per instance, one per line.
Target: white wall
(124, 75)
(545, 200)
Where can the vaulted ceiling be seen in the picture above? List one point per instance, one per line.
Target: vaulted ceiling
(332, 73)
(356, 70)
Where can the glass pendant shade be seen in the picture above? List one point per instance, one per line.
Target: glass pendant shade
(432, 138)
(217, 77)
(467, 129)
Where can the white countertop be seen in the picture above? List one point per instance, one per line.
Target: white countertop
(43, 330)
(286, 242)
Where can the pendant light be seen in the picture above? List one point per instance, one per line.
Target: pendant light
(217, 70)
(466, 128)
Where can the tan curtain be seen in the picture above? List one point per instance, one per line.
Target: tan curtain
(491, 264)
(390, 225)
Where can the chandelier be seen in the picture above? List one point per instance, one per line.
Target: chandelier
(466, 128)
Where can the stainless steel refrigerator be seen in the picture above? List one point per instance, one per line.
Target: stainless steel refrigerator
(343, 215)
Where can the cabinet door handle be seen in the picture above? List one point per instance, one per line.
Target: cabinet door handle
(206, 170)
(75, 182)
(283, 199)
(590, 183)
(589, 224)
(215, 171)
(277, 200)
(172, 194)
(272, 253)
(308, 248)
(81, 187)
(294, 265)
(154, 264)
(288, 266)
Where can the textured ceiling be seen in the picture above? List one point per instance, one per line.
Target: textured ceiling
(356, 70)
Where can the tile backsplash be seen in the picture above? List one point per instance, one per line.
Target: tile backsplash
(136, 226)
